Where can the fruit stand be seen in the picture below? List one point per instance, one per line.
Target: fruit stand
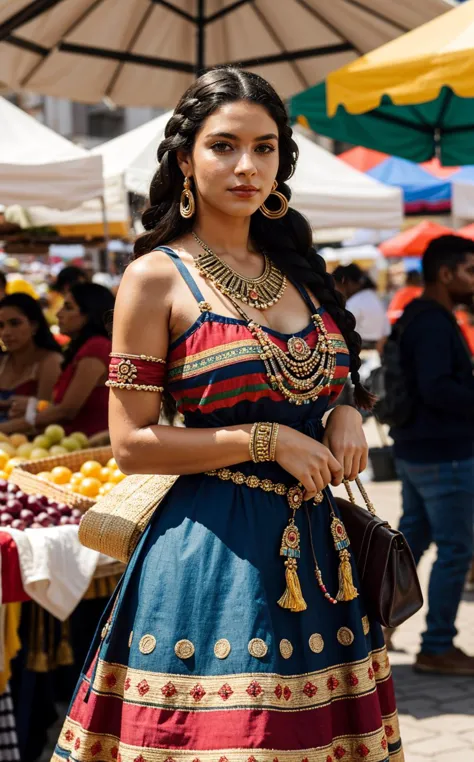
(45, 487)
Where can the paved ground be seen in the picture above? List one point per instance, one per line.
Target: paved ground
(436, 713)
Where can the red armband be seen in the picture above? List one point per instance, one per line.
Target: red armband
(136, 372)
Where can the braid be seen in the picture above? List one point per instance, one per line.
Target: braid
(287, 241)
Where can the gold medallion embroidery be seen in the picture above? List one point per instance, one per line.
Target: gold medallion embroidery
(345, 636)
(184, 649)
(147, 644)
(286, 649)
(316, 643)
(130, 638)
(365, 625)
(126, 372)
(258, 648)
(222, 648)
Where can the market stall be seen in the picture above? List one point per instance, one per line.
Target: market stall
(38, 166)
(53, 589)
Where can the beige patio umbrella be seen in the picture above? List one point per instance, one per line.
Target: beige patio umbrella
(146, 52)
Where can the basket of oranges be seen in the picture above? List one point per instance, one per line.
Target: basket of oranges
(77, 479)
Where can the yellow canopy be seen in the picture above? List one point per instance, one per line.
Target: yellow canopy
(411, 69)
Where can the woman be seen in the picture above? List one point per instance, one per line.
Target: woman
(80, 395)
(32, 361)
(201, 656)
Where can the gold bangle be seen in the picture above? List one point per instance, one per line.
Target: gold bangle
(147, 358)
(252, 442)
(273, 440)
(134, 387)
(262, 442)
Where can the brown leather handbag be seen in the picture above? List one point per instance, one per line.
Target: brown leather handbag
(387, 572)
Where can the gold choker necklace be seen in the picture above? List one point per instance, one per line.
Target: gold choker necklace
(261, 292)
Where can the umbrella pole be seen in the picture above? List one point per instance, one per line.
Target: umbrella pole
(200, 37)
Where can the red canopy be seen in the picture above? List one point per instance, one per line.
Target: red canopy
(413, 242)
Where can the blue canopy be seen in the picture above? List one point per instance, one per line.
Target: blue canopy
(422, 191)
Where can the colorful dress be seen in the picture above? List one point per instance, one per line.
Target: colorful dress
(195, 661)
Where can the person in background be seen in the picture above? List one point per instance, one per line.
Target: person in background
(68, 277)
(365, 304)
(80, 396)
(412, 289)
(31, 364)
(434, 451)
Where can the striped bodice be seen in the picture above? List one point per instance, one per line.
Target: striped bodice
(215, 367)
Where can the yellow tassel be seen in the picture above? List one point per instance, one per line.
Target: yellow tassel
(64, 654)
(37, 660)
(292, 598)
(347, 590)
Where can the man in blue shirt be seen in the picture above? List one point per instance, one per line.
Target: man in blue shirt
(434, 451)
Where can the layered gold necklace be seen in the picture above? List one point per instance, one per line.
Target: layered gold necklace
(301, 373)
(261, 292)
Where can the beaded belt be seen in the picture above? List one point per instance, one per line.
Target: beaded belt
(292, 598)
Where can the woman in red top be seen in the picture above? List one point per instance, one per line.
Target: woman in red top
(31, 363)
(80, 396)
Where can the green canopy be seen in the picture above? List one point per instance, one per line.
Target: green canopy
(442, 127)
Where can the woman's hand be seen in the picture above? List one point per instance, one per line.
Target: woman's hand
(18, 407)
(345, 438)
(310, 462)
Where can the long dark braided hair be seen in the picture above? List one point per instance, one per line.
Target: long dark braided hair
(287, 241)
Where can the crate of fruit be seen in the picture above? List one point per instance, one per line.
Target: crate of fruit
(76, 479)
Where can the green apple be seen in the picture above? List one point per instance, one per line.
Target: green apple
(55, 433)
(70, 444)
(8, 448)
(25, 450)
(42, 441)
(38, 453)
(81, 438)
(58, 450)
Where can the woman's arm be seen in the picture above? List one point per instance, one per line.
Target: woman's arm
(49, 372)
(88, 373)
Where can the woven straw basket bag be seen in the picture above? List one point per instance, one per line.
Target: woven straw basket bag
(115, 523)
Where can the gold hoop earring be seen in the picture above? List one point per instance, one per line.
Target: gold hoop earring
(187, 205)
(275, 215)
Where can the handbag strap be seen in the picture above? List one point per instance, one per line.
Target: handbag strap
(362, 490)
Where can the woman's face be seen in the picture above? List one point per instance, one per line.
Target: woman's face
(234, 161)
(16, 331)
(70, 318)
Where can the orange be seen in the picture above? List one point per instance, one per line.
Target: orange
(4, 458)
(45, 475)
(116, 476)
(3, 475)
(90, 487)
(61, 475)
(104, 475)
(105, 489)
(13, 463)
(91, 469)
(111, 463)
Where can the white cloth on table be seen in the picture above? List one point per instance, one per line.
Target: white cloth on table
(371, 319)
(56, 569)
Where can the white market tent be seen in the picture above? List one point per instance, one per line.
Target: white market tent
(332, 194)
(38, 166)
(325, 189)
